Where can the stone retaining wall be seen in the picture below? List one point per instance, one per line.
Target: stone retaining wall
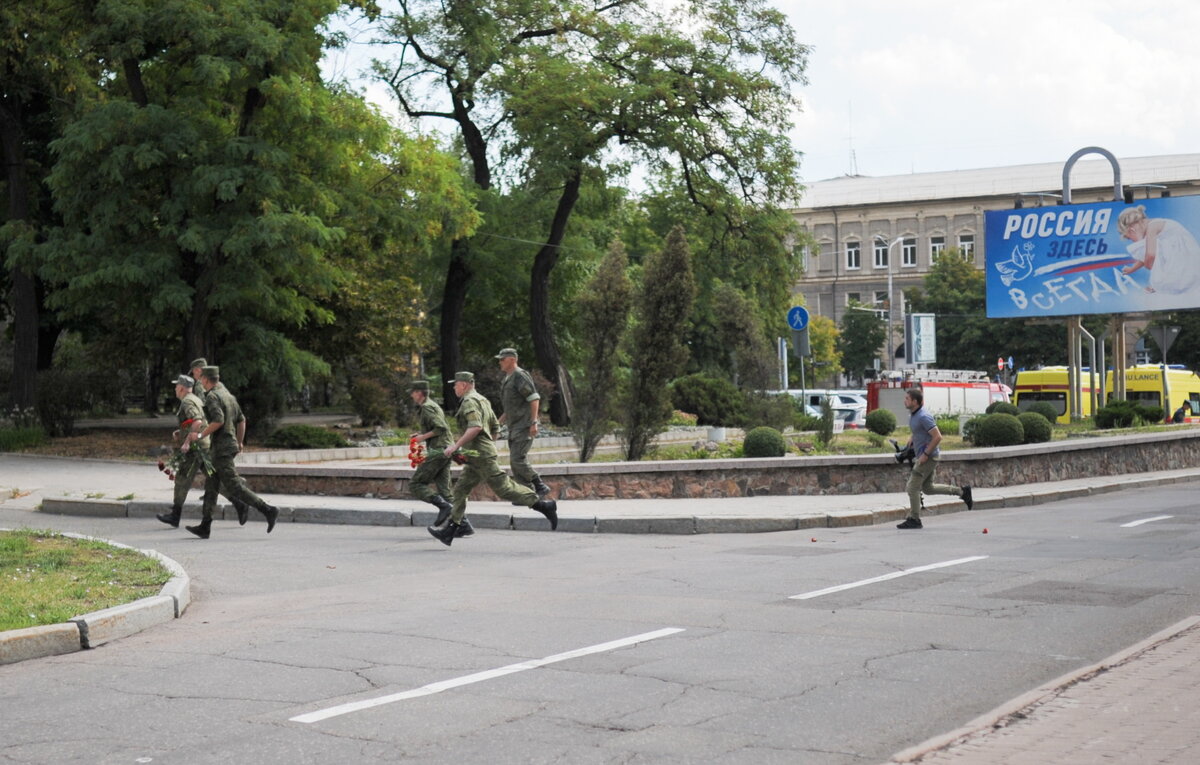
(997, 467)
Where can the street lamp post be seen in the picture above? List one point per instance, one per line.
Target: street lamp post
(891, 296)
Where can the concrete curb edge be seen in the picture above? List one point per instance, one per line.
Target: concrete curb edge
(99, 627)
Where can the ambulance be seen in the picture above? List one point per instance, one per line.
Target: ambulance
(1143, 383)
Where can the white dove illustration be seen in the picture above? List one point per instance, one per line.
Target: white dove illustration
(1018, 267)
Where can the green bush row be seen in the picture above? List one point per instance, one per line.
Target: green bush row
(305, 437)
(16, 439)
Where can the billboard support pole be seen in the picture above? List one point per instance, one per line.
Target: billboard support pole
(1075, 329)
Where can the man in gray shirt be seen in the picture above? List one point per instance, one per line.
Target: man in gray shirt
(924, 441)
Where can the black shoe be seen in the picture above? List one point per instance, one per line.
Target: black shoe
(171, 518)
(910, 523)
(548, 508)
(444, 509)
(966, 497)
(243, 512)
(465, 529)
(272, 514)
(541, 489)
(445, 535)
(201, 530)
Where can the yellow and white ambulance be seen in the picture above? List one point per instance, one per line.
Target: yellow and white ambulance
(1143, 383)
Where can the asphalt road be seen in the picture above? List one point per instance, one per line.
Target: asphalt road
(287, 632)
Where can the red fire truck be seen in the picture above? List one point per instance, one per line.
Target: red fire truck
(947, 391)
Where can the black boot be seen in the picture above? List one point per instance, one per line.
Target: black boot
(445, 534)
(243, 511)
(548, 508)
(272, 514)
(444, 509)
(465, 529)
(541, 488)
(171, 518)
(202, 530)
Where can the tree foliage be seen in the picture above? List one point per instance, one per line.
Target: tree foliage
(860, 339)
(658, 351)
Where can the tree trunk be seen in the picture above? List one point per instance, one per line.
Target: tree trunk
(454, 302)
(544, 345)
(24, 288)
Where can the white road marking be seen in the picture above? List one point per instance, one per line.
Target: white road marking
(1131, 524)
(885, 577)
(478, 677)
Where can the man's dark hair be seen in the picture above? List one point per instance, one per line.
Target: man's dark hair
(916, 394)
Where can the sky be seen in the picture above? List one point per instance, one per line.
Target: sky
(930, 85)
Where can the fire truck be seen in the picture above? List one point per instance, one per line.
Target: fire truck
(947, 391)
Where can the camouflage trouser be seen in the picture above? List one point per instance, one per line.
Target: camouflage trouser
(433, 472)
(518, 460)
(187, 476)
(225, 480)
(921, 480)
(486, 470)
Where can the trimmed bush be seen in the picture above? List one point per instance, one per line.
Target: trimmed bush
(802, 421)
(1125, 414)
(1002, 407)
(370, 400)
(1045, 409)
(1037, 428)
(776, 411)
(881, 421)
(714, 400)
(306, 437)
(999, 429)
(972, 427)
(764, 442)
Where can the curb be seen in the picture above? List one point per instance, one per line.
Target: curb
(1020, 706)
(104, 626)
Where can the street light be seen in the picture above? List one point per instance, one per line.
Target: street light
(891, 297)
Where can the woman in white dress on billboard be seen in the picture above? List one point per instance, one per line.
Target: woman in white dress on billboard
(1163, 247)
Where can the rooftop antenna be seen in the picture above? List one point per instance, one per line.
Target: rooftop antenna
(850, 137)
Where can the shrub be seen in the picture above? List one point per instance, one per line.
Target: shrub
(803, 421)
(16, 439)
(305, 437)
(59, 401)
(972, 427)
(778, 411)
(370, 400)
(682, 419)
(714, 400)
(999, 429)
(764, 441)
(948, 425)
(825, 429)
(1002, 407)
(881, 421)
(1045, 409)
(1037, 428)
(1124, 414)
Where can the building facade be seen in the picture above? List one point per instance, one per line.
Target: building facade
(869, 239)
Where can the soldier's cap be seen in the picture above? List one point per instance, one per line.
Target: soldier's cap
(200, 362)
(421, 385)
(184, 380)
(212, 373)
(468, 377)
(507, 353)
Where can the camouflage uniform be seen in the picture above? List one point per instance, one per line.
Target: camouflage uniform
(190, 409)
(516, 393)
(435, 470)
(220, 406)
(482, 465)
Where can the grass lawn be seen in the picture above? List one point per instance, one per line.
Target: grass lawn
(46, 578)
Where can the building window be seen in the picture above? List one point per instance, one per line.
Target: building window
(966, 245)
(881, 255)
(853, 256)
(852, 297)
(908, 253)
(936, 245)
(881, 298)
(801, 257)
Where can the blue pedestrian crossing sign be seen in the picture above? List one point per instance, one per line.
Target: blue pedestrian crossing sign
(798, 317)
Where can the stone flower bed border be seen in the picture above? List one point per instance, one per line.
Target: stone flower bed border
(100, 627)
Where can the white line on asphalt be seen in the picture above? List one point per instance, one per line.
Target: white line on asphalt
(885, 577)
(478, 677)
(1131, 524)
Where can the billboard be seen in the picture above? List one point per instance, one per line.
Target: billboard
(1106, 257)
(920, 338)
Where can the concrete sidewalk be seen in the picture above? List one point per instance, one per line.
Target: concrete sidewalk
(1139, 706)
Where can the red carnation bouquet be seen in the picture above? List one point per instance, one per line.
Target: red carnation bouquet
(416, 452)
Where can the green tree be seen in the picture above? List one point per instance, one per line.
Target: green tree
(658, 350)
(823, 337)
(604, 317)
(861, 336)
(553, 86)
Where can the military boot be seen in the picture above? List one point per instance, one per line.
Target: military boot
(171, 518)
(202, 530)
(541, 488)
(243, 511)
(465, 529)
(272, 514)
(444, 509)
(445, 534)
(548, 508)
